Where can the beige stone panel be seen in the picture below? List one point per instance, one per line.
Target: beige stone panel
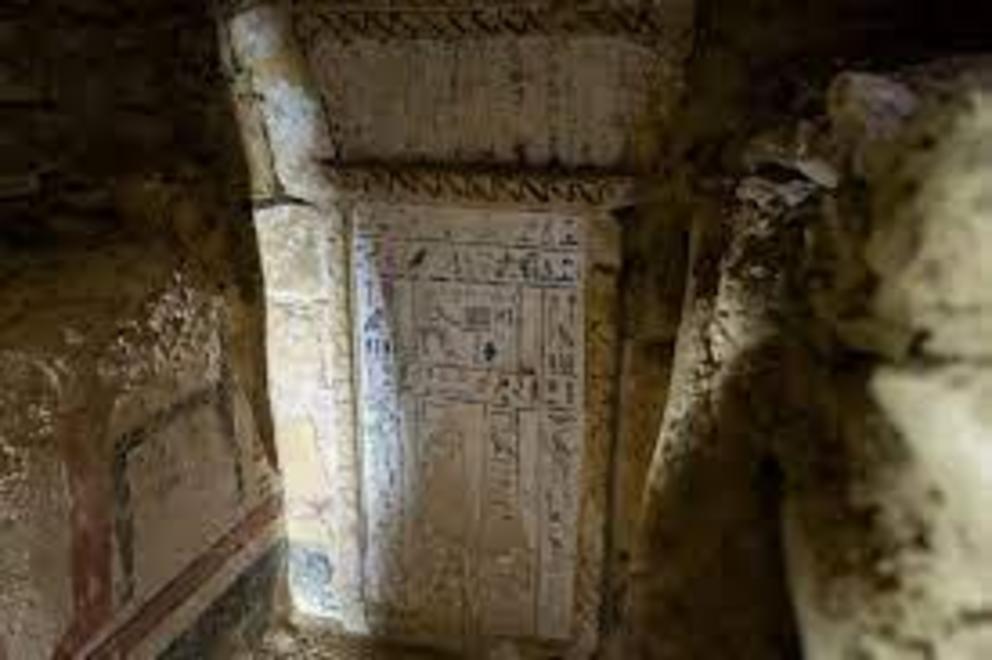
(293, 241)
(258, 151)
(312, 390)
(183, 496)
(307, 486)
(263, 46)
(572, 101)
(296, 373)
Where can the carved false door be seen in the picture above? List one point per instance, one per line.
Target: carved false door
(470, 341)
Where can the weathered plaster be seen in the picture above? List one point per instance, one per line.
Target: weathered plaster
(903, 571)
(138, 466)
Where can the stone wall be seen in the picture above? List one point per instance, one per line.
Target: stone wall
(888, 554)
(710, 537)
(799, 457)
(326, 295)
(519, 84)
(516, 131)
(138, 478)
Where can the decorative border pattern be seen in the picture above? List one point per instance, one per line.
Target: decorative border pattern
(485, 186)
(474, 22)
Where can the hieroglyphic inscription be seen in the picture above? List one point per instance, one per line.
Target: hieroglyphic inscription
(469, 332)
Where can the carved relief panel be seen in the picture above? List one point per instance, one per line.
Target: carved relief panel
(469, 331)
(542, 84)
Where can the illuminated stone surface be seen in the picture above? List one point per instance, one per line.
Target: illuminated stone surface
(470, 339)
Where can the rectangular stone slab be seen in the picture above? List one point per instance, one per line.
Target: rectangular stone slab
(470, 340)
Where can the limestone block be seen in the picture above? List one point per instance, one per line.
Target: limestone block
(255, 140)
(888, 537)
(293, 242)
(311, 387)
(534, 100)
(296, 372)
(300, 459)
(336, 336)
(312, 390)
(264, 47)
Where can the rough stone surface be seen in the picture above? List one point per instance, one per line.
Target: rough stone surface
(282, 116)
(124, 400)
(504, 100)
(928, 237)
(761, 433)
(888, 553)
(516, 97)
(709, 539)
(829, 373)
(138, 472)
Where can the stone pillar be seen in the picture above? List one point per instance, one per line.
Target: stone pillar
(303, 242)
(709, 546)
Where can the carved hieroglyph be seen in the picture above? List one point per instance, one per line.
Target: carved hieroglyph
(470, 339)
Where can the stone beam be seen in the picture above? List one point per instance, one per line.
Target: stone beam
(475, 186)
(476, 21)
